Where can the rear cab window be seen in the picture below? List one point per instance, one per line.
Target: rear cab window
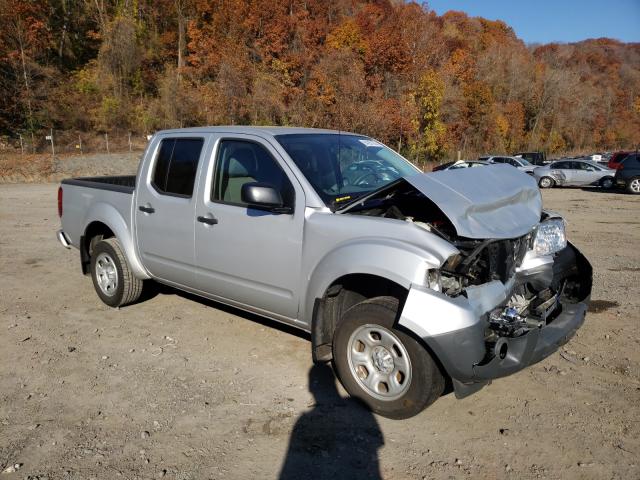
(176, 166)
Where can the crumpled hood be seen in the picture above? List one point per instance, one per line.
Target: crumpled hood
(496, 201)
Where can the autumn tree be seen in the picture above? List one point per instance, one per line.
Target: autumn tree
(429, 142)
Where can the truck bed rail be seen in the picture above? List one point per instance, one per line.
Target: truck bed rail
(120, 183)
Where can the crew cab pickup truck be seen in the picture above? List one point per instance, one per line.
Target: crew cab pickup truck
(411, 283)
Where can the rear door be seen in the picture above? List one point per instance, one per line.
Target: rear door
(165, 208)
(569, 170)
(244, 255)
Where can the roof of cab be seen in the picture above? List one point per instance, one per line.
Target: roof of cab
(266, 130)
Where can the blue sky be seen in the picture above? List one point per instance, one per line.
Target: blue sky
(543, 21)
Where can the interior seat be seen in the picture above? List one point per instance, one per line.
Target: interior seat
(241, 169)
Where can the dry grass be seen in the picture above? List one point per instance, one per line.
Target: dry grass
(27, 168)
(43, 168)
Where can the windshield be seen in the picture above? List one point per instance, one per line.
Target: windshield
(344, 167)
(524, 162)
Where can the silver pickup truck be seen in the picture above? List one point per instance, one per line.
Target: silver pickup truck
(413, 284)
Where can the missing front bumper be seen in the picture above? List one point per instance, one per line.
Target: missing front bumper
(454, 328)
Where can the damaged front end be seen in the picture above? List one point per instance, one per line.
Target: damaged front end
(481, 331)
(515, 291)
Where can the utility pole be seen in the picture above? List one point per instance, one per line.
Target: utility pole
(106, 139)
(21, 145)
(80, 143)
(129, 141)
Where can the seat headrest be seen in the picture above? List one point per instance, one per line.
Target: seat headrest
(242, 163)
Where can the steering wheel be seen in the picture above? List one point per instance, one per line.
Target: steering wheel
(360, 179)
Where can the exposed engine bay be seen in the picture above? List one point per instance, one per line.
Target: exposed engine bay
(479, 262)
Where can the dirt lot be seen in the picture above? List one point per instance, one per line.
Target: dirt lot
(187, 389)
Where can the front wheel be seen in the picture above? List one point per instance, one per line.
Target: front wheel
(387, 369)
(112, 278)
(546, 182)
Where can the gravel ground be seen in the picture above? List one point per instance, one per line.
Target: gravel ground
(183, 388)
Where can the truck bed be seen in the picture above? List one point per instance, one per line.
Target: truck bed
(120, 183)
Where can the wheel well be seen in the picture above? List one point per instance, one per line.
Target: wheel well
(94, 232)
(341, 295)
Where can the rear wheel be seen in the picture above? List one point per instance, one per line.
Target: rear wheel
(546, 182)
(633, 185)
(606, 183)
(112, 278)
(387, 369)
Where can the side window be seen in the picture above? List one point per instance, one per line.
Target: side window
(498, 160)
(582, 166)
(176, 165)
(239, 162)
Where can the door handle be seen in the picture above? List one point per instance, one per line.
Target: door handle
(208, 220)
(146, 208)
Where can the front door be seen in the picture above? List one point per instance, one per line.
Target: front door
(588, 174)
(165, 209)
(248, 256)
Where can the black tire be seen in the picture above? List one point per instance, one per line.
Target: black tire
(425, 380)
(546, 182)
(127, 287)
(633, 185)
(607, 183)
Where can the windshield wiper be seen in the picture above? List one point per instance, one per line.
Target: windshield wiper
(363, 198)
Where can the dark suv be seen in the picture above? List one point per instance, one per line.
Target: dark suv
(535, 158)
(628, 173)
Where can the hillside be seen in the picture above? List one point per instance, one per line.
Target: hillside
(428, 85)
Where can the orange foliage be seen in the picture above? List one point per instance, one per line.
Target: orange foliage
(351, 64)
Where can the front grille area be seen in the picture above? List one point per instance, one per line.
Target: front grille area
(502, 257)
(492, 259)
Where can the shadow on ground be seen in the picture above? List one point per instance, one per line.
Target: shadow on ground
(153, 289)
(338, 438)
(603, 190)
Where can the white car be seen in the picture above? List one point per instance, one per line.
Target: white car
(520, 163)
(574, 173)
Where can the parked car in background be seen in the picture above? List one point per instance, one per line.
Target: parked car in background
(461, 164)
(628, 173)
(616, 159)
(535, 158)
(574, 173)
(520, 163)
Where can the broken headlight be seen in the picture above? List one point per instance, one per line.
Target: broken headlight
(550, 237)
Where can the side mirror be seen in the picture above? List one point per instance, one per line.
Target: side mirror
(263, 196)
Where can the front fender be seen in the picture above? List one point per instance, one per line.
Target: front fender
(112, 218)
(397, 261)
